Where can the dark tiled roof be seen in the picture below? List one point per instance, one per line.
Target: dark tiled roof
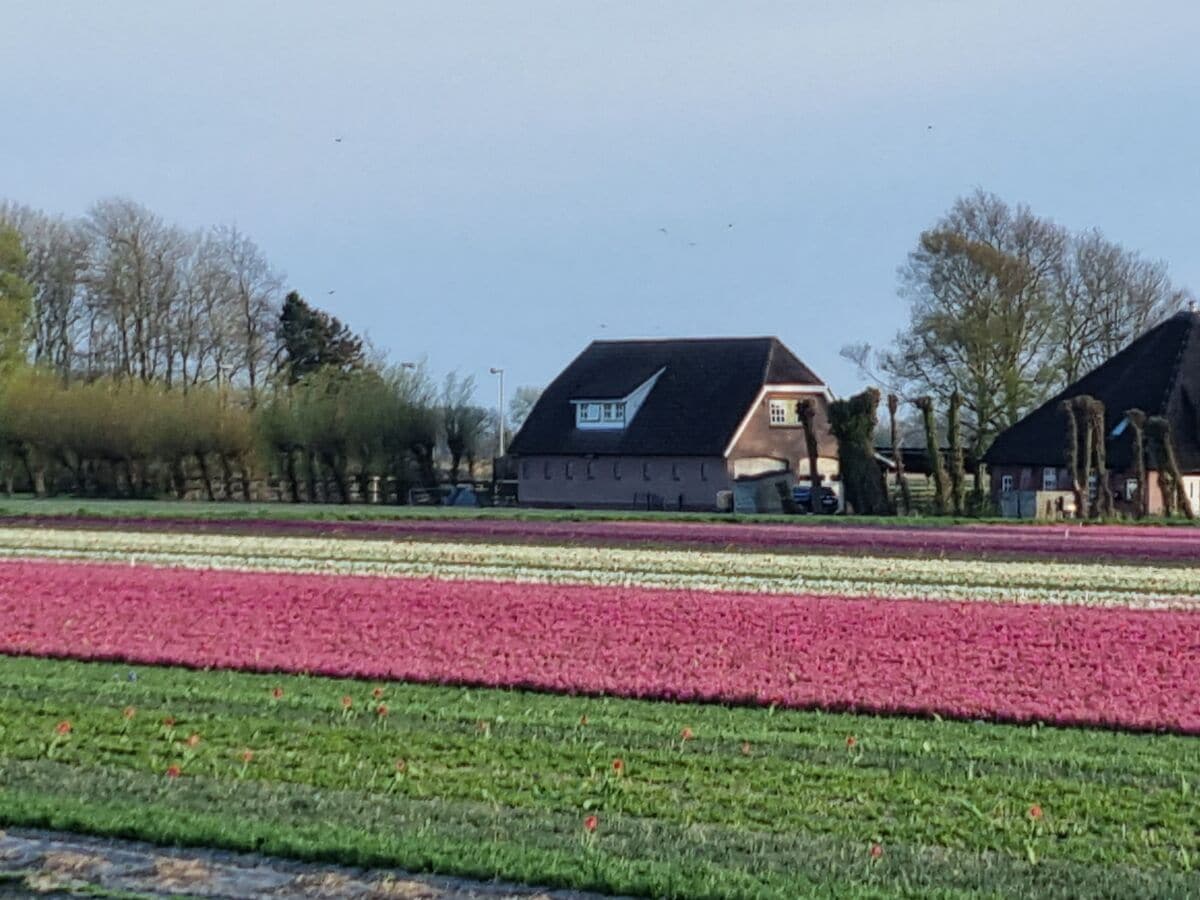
(705, 390)
(1159, 373)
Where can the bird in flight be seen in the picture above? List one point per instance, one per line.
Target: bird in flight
(663, 230)
(337, 140)
(730, 225)
(333, 292)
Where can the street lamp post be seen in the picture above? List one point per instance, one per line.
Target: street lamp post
(497, 371)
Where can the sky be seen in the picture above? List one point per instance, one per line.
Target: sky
(516, 179)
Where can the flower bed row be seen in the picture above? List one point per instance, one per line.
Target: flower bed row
(1071, 665)
(1065, 541)
(713, 570)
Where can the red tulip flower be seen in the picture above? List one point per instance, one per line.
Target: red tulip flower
(876, 851)
(851, 741)
(590, 824)
(687, 734)
(247, 756)
(174, 771)
(63, 727)
(1035, 812)
(618, 765)
(401, 765)
(129, 712)
(277, 693)
(169, 721)
(377, 693)
(381, 710)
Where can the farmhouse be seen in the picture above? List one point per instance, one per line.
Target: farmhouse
(1159, 374)
(672, 424)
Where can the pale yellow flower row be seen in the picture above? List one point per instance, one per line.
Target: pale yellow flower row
(1028, 582)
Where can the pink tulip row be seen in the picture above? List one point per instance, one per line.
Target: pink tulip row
(1069, 665)
(1064, 541)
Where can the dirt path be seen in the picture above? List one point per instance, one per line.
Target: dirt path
(47, 864)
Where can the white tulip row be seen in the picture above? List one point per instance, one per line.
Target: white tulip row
(851, 576)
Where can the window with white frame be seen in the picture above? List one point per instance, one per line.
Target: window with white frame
(569, 469)
(1049, 478)
(645, 471)
(1006, 484)
(778, 412)
(1131, 488)
(616, 470)
(600, 413)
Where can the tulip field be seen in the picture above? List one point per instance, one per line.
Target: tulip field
(658, 709)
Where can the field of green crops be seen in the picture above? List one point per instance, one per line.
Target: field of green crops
(687, 800)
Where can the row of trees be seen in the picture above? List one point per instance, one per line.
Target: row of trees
(138, 358)
(1006, 308)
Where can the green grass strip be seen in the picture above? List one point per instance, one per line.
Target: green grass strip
(498, 784)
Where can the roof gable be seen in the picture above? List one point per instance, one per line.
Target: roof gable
(696, 404)
(1158, 373)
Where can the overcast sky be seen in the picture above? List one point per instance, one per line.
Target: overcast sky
(505, 168)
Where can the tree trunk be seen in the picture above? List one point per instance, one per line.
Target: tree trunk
(1080, 407)
(244, 470)
(1141, 504)
(1072, 454)
(958, 477)
(206, 476)
(806, 412)
(311, 473)
(226, 476)
(1104, 507)
(925, 405)
(898, 455)
(1170, 463)
(293, 478)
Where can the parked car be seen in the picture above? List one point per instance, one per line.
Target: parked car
(802, 494)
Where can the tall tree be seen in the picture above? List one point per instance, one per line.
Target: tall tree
(16, 297)
(853, 422)
(980, 315)
(311, 340)
(1137, 421)
(462, 421)
(893, 405)
(521, 405)
(934, 450)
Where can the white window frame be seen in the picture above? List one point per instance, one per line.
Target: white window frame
(777, 413)
(1049, 478)
(1006, 484)
(569, 469)
(588, 413)
(616, 470)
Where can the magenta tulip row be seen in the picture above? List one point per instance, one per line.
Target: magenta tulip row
(1064, 541)
(1059, 664)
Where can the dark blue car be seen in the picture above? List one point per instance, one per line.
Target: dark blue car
(802, 494)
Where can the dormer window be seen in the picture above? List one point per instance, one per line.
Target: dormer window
(601, 414)
(615, 413)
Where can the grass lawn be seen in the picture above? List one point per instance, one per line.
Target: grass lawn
(706, 801)
(25, 506)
